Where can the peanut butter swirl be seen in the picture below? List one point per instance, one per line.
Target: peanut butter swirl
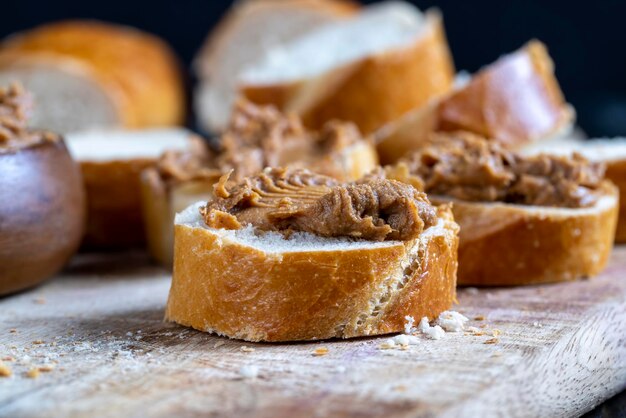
(467, 167)
(15, 104)
(290, 200)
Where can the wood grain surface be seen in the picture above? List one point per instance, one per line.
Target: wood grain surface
(96, 339)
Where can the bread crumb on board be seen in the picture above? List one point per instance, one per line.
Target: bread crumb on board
(246, 349)
(218, 344)
(492, 341)
(33, 373)
(5, 370)
(321, 351)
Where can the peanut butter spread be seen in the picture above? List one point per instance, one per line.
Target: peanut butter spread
(14, 133)
(291, 200)
(468, 167)
(259, 137)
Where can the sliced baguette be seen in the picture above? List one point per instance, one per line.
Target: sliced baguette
(267, 288)
(250, 29)
(89, 74)
(515, 100)
(611, 152)
(111, 162)
(162, 200)
(370, 70)
(507, 245)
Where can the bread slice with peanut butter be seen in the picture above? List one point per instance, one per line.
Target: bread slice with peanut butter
(523, 219)
(292, 255)
(257, 137)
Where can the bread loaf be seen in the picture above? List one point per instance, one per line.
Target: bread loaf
(370, 69)
(515, 101)
(250, 29)
(90, 74)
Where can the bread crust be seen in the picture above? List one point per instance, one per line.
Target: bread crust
(616, 172)
(506, 245)
(371, 91)
(516, 100)
(148, 95)
(225, 287)
(114, 210)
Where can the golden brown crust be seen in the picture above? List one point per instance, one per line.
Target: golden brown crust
(235, 290)
(114, 203)
(616, 172)
(377, 83)
(514, 100)
(147, 95)
(506, 245)
(42, 213)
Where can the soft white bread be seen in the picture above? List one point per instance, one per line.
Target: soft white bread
(162, 200)
(250, 29)
(268, 288)
(111, 162)
(369, 69)
(611, 152)
(515, 100)
(89, 74)
(505, 245)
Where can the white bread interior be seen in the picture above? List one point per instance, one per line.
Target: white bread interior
(306, 287)
(122, 145)
(68, 96)
(249, 30)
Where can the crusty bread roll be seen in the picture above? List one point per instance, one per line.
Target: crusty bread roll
(267, 288)
(259, 133)
(524, 219)
(250, 29)
(370, 69)
(611, 152)
(111, 162)
(515, 100)
(506, 245)
(89, 74)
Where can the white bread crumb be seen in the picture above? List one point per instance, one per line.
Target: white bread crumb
(452, 321)
(435, 333)
(408, 327)
(249, 371)
(387, 344)
(423, 325)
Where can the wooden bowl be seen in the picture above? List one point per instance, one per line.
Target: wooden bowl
(42, 212)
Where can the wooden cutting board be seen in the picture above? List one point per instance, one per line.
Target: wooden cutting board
(98, 331)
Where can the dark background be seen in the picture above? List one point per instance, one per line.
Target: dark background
(586, 40)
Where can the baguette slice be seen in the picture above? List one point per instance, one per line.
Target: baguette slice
(515, 100)
(611, 152)
(267, 288)
(89, 74)
(250, 29)
(370, 70)
(161, 201)
(111, 162)
(506, 245)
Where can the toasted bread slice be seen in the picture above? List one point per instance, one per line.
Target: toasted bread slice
(268, 288)
(370, 69)
(515, 100)
(506, 245)
(89, 74)
(111, 162)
